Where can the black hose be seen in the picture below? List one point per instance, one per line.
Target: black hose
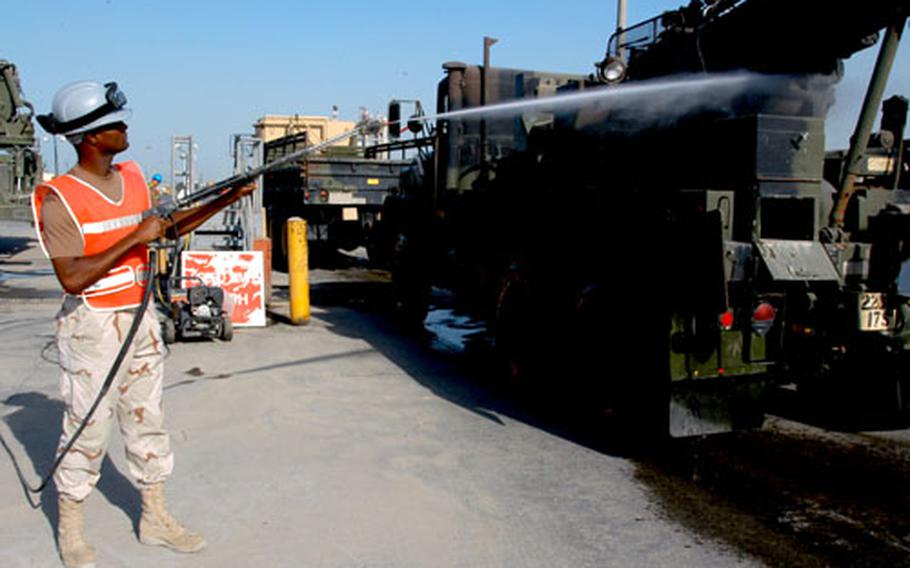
(115, 366)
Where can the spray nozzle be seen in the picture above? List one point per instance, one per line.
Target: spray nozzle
(372, 126)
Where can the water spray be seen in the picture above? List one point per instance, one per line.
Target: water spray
(655, 100)
(686, 91)
(666, 97)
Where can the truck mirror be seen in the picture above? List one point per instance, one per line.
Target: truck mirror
(394, 119)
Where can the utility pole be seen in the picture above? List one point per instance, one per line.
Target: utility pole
(620, 26)
(248, 155)
(183, 175)
(484, 96)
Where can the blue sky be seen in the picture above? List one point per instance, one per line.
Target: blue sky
(210, 69)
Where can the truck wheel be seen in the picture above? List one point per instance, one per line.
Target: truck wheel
(410, 288)
(412, 300)
(630, 402)
(168, 331)
(227, 329)
(378, 246)
(410, 280)
(515, 329)
(588, 338)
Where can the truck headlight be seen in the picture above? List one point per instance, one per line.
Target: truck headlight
(611, 70)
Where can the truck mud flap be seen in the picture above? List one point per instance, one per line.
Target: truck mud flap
(715, 406)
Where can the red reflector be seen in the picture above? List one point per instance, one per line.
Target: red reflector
(726, 320)
(763, 318)
(763, 312)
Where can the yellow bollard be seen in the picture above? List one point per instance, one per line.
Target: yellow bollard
(298, 271)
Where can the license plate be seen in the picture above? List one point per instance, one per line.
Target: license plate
(872, 313)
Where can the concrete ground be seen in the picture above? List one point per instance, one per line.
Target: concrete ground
(337, 444)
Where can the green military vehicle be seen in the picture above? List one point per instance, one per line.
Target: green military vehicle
(339, 192)
(20, 162)
(670, 252)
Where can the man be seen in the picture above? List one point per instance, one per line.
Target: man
(155, 182)
(90, 225)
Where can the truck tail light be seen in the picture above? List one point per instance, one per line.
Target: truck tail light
(307, 196)
(763, 318)
(324, 196)
(726, 320)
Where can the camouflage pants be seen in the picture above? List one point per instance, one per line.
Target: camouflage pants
(88, 343)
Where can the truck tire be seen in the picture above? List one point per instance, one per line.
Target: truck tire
(378, 245)
(412, 299)
(410, 287)
(629, 401)
(515, 329)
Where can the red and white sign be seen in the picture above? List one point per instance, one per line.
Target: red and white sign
(238, 273)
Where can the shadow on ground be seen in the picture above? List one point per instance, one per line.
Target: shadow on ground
(35, 409)
(788, 495)
(10, 246)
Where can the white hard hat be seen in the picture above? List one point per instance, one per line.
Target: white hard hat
(83, 106)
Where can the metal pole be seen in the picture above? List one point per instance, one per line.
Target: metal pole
(173, 164)
(298, 271)
(191, 161)
(247, 156)
(860, 140)
(620, 26)
(487, 43)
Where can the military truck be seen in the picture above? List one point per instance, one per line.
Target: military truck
(340, 194)
(20, 161)
(669, 267)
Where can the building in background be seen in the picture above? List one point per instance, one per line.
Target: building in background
(317, 128)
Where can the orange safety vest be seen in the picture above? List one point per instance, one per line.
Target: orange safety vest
(102, 223)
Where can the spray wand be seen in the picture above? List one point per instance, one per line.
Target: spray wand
(168, 205)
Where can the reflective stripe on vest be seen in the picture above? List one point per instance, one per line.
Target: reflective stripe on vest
(111, 224)
(119, 278)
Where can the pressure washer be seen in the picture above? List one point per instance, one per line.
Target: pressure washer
(165, 210)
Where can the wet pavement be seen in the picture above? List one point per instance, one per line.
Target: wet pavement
(347, 443)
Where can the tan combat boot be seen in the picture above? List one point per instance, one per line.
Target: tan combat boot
(158, 527)
(74, 551)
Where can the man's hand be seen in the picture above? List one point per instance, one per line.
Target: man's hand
(243, 190)
(151, 229)
(189, 219)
